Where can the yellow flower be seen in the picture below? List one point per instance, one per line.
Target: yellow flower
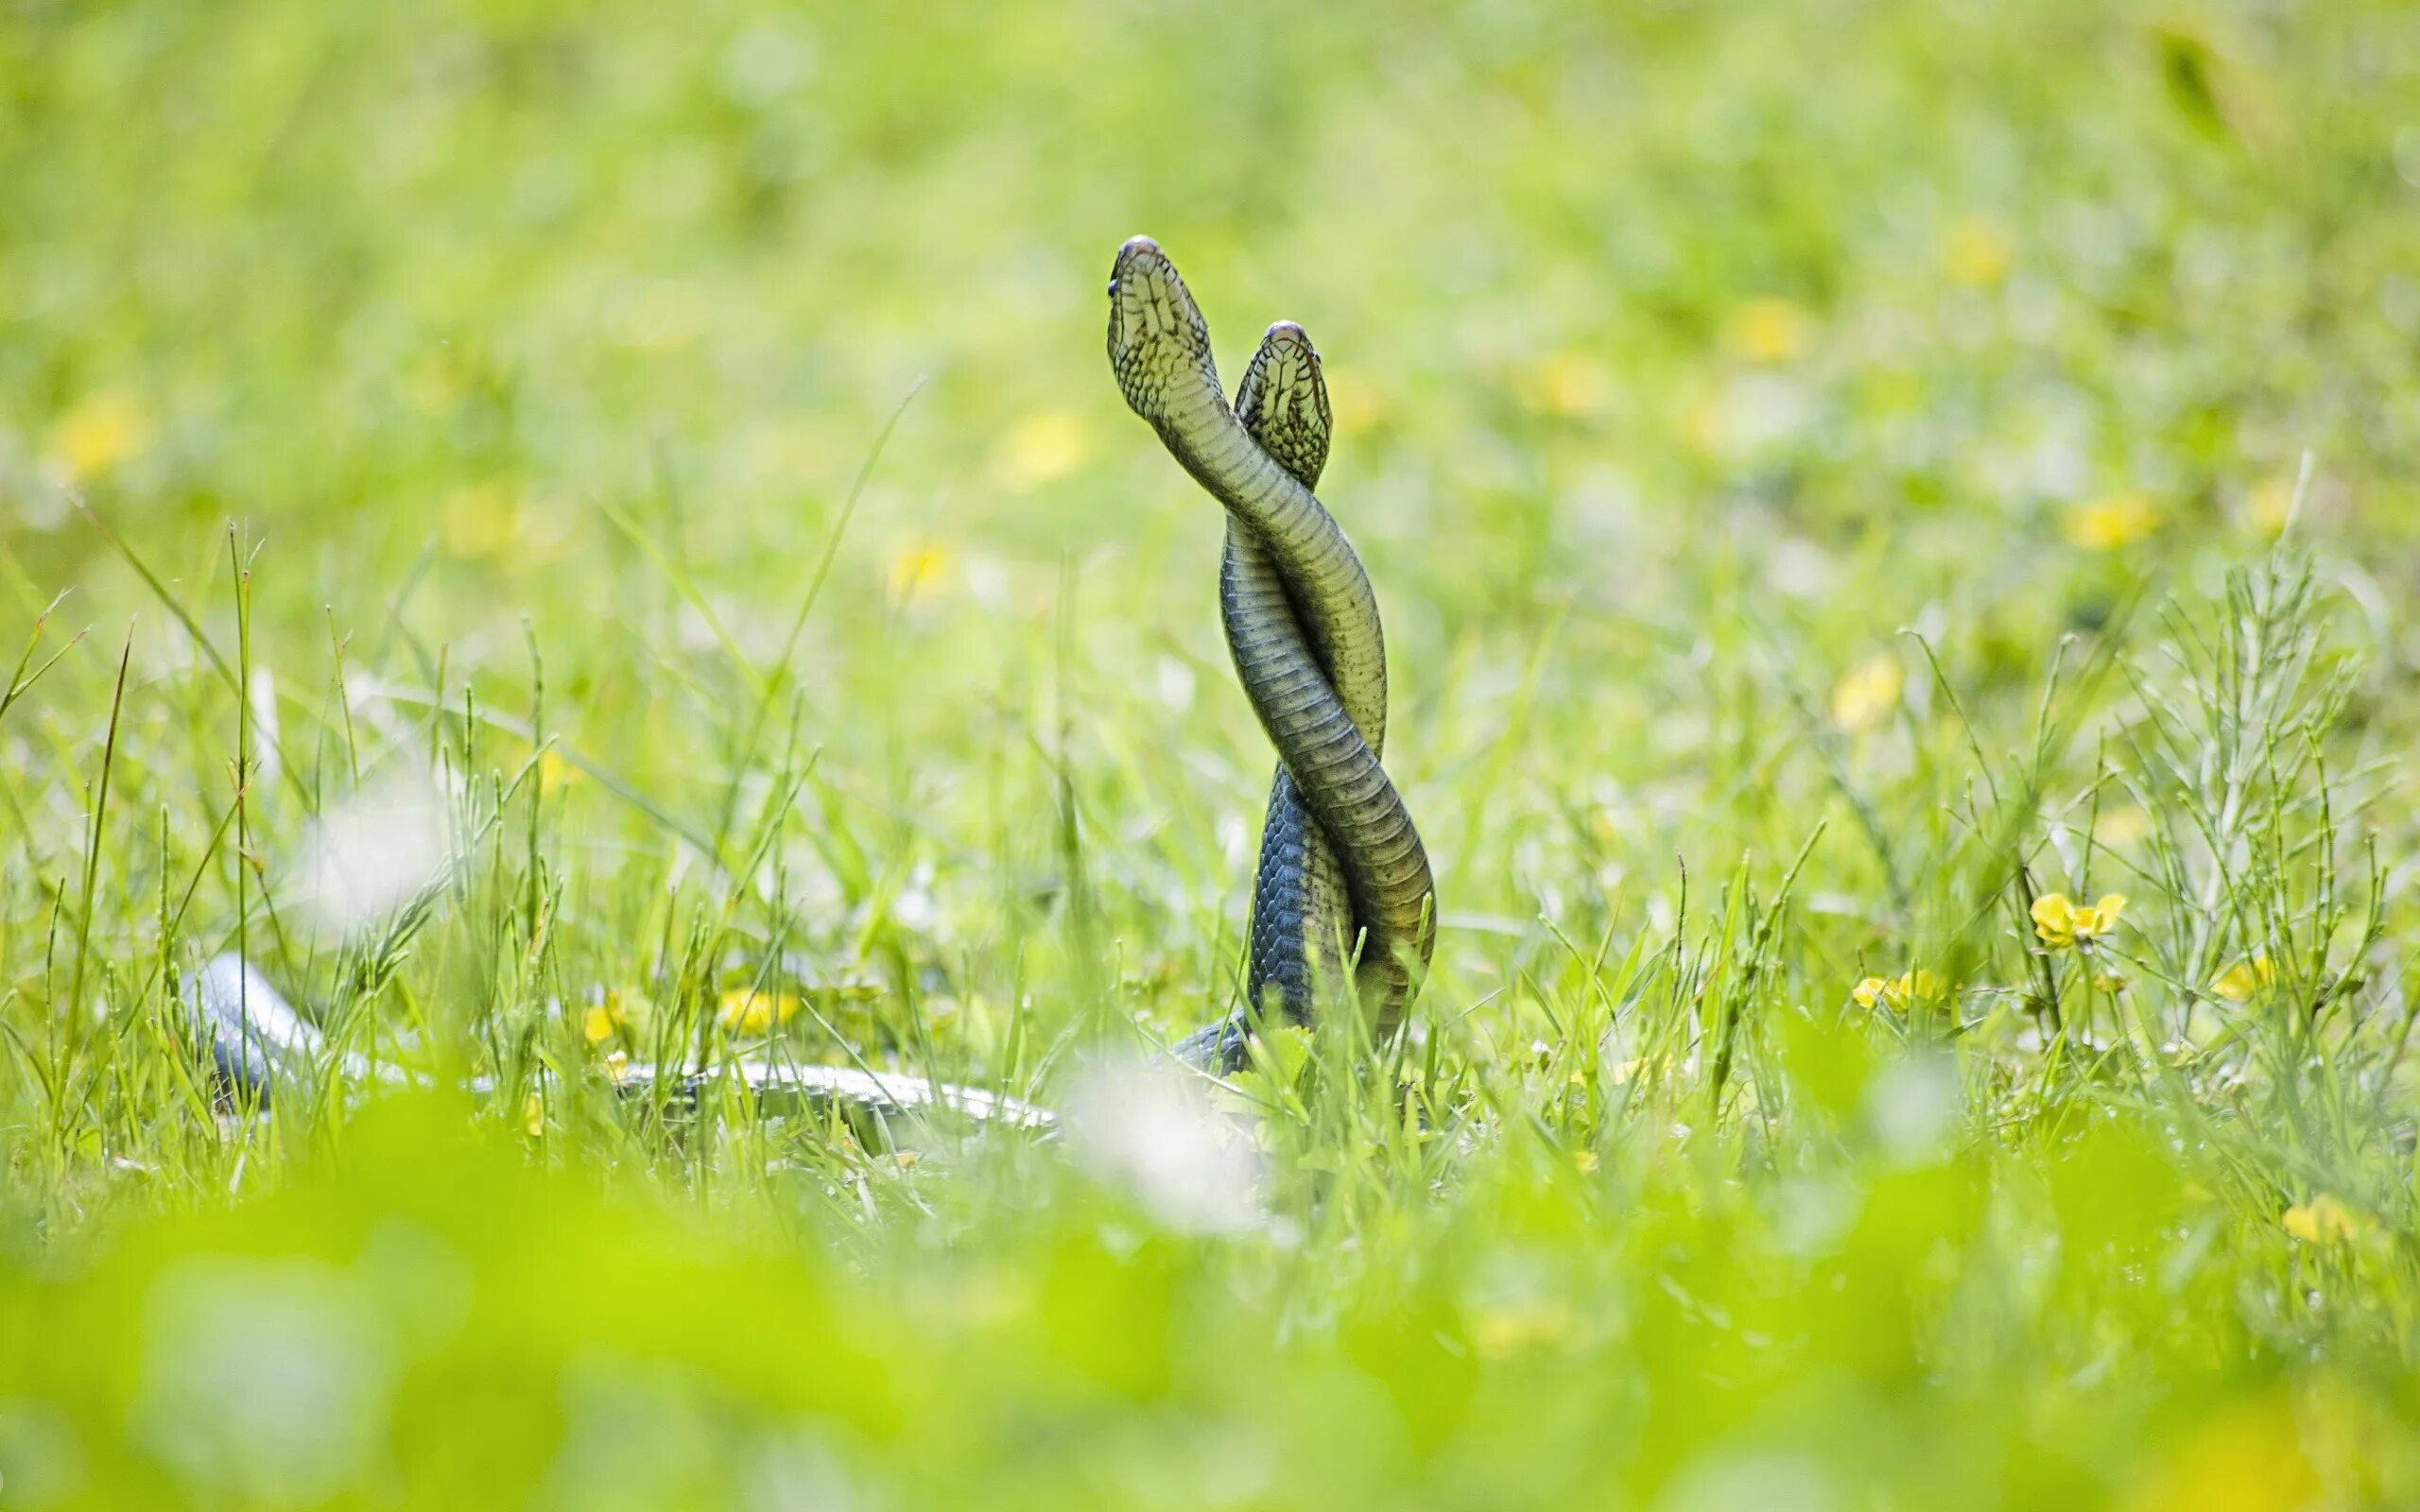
(555, 772)
(619, 1011)
(2271, 506)
(99, 434)
(2320, 1221)
(1584, 1161)
(2121, 826)
(2062, 923)
(1914, 989)
(601, 1021)
(533, 1115)
(1519, 1327)
(916, 569)
(618, 1065)
(1976, 252)
(2244, 980)
(1867, 691)
(2110, 523)
(2245, 1457)
(1766, 330)
(1570, 383)
(743, 1011)
(477, 519)
(1701, 424)
(1042, 448)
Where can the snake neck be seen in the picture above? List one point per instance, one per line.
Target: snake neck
(1336, 605)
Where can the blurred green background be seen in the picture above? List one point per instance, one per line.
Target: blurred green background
(1813, 430)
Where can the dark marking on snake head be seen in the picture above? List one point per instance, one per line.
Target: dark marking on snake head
(1157, 337)
(1282, 401)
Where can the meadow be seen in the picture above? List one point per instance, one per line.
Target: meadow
(572, 534)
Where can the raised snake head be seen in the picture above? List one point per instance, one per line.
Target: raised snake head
(1159, 345)
(1283, 402)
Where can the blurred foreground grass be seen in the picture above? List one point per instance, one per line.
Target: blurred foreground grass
(1824, 465)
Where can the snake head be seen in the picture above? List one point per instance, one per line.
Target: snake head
(1283, 402)
(1158, 342)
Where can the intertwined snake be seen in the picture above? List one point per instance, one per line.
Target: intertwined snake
(1340, 863)
(1342, 877)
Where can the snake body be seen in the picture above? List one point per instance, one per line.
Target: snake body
(1302, 623)
(267, 1051)
(1342, 877)
(1302, 914)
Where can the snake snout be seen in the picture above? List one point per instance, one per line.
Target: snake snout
(1140, 268)
(1290, 355)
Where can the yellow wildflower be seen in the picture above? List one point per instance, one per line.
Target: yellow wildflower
(618, 1065)
(1913, 989)
(1702, 425)
(1867, 692)
(2320, 1221)
(1042, 448)
(1519, 1327)
(2244, 980)
(99, 434)
(555, 773)
(477, 519)
(2271, 506)
(620, 1010)
(1570, 383)
(2062, 923)
(743, 1011)
(2107, 524)
(1766, 330)
(915, 570)
(2246, 1457)
(1976, 252)
(2121, 826)
(1583, 1162)
(533, 1115)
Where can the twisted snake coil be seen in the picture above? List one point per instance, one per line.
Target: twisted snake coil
(1302, 622)
(1342, 876)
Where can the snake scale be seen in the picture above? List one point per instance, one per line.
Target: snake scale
(1302, 622)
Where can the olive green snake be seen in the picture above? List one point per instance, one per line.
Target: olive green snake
(1342, 874)
(1343, 888)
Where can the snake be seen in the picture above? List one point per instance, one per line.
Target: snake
(1301, 911)
(1342, 879)
(1302, 624)
(265, 1051)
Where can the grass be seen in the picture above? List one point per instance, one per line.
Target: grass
(573, 531)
